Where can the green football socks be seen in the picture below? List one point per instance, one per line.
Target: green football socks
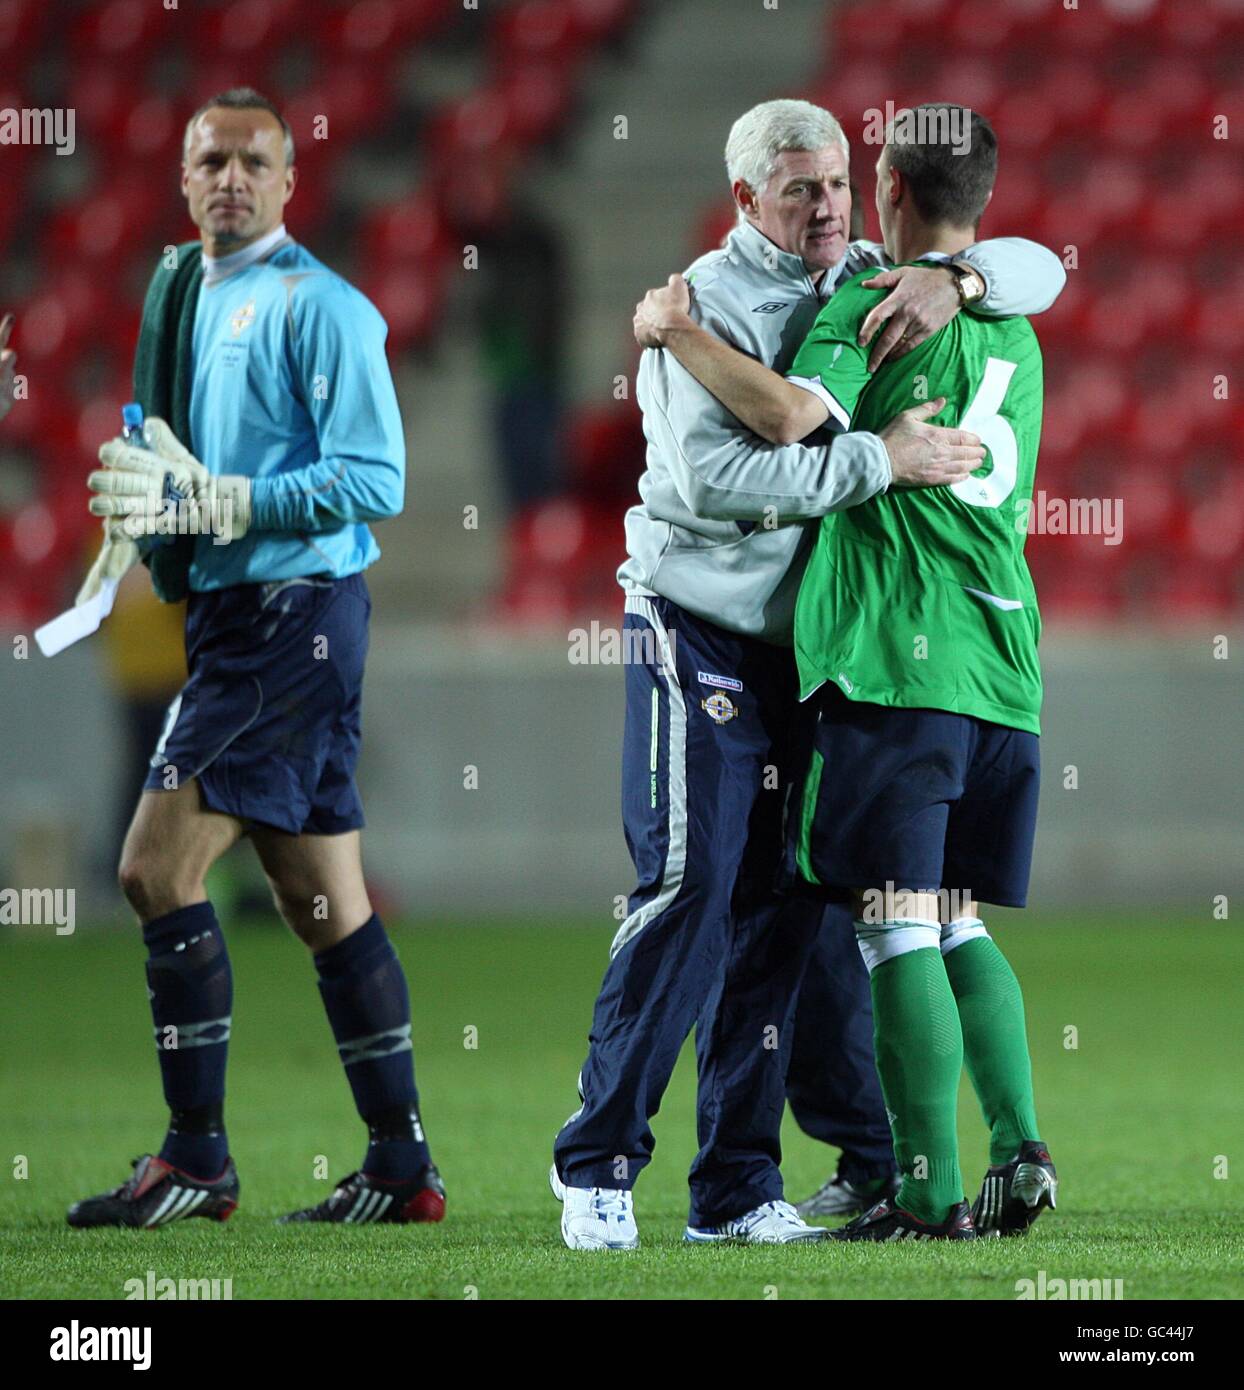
(919, 1047)
(995, 1043)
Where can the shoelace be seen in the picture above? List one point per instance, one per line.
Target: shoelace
(607, 1202)
(784, 1210)
(132, 1181)
(342, 1191)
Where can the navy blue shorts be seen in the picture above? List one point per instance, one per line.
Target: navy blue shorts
(918, 798)
(269, 720)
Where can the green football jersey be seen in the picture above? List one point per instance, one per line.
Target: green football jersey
(922, 597)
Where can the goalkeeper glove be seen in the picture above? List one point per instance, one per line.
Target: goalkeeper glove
(135, 485)
(116, 557)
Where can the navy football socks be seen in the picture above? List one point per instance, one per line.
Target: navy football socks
(365, 996)
(190, 985)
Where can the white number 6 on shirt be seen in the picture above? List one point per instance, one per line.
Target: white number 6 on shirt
(996, 435)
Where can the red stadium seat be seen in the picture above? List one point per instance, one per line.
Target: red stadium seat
(109, 220)
(69, 310)
(364, 30)
(1159, 417)
(344, 103)
(474, 196)
(1195, 28)
(1099, 392)
(538, 99)
(1074, 91)
(537, 31)
(123, 32)
(22, 26)
(423, 18)
(414, 229)
(1016, 197)
(1176, 84)
(599, 20)
(100, 96)
(135, 70)
(1106, 120)
(153, 129)
(853, 88)
(1184, 587)
(1132, 122)
(562, 555)
(1166, 293)
(971, 81)
(519, 109)
(13, 208)
(1025, 122)
(35, 566)
(714, 227)
(1218, 324)
(1113, 192)
(45, 415)
(982, 25)
(1215, 183)
(1045, 28)
(1063, 320)
(1151, 501)
(206, 80)
(1105, 116)
(605, 453)
(247, 31)
(376, 28)
(1215, 529)
(1067, 220)
(475, 126)
(864, 33)
(409, 298)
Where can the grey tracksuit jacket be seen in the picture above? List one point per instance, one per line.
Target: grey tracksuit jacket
(722, 527)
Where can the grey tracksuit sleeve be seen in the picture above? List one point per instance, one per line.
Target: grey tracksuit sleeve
(1021, 276)
(723, 523)
(722, 472)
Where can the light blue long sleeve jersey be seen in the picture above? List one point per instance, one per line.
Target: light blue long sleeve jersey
(291, 387)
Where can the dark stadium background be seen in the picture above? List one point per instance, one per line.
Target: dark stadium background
(504, 181)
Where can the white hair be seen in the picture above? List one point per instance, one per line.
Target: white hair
(768, 130)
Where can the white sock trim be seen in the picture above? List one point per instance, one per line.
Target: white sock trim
(960, 930)
(883, 941)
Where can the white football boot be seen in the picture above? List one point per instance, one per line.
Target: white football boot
(772, 1223)
(595, 1218)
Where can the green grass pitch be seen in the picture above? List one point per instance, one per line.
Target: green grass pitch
(1143, 1115)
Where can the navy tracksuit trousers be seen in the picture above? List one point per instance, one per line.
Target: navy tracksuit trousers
(715, 738)
(831, 1080)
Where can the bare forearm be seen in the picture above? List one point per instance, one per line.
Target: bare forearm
(767, 404)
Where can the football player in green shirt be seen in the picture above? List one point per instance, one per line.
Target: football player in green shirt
(916, 631)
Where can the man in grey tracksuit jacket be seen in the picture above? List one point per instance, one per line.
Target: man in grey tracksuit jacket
(713, 739)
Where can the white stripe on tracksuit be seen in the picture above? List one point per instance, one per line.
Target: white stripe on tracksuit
(676, 778)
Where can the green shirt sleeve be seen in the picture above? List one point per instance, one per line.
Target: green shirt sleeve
(831, 363)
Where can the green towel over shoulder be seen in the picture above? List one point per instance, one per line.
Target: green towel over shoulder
(163, 364)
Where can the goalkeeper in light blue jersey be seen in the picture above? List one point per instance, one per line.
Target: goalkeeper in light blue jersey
(291, 389)
(286, 441)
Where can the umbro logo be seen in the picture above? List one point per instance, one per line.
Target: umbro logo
(770, 308)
